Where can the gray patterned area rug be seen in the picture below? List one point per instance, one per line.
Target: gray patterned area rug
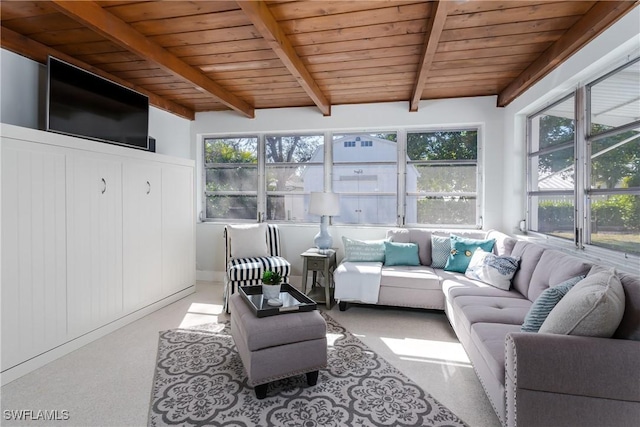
(199, 380)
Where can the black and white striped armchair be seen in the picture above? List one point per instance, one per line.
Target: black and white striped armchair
(248, 270)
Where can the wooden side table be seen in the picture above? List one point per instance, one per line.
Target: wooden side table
(316, 261)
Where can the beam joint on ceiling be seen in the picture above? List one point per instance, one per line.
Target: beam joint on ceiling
(432, 38)
(600, 17)
(38, 52)
(262, 19)
(111, 27)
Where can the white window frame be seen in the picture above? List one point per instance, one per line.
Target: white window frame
(479, 178)
(582, 191)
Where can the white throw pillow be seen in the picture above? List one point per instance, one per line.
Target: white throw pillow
(248, 240)
(363, 250)
(492, 269)
(594, 308)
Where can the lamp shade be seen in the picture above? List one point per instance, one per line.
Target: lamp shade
(324, 204)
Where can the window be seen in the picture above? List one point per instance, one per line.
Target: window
(551, 183)
(441, 178)
(612, 213)
(231, 178)
(602, 152)
(294, 168)
(367, 180)
(270, 176)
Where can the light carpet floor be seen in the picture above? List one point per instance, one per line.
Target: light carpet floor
(200, 380)
(108, 382)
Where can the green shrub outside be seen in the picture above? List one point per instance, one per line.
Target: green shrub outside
(619, 212)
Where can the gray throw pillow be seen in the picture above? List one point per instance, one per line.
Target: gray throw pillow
(594, 308)
(543, 305)
(440, 250)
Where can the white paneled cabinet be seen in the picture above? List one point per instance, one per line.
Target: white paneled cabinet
(93, 235)
(178, 250)
(94, 239)
(142, 221)
(33, 250)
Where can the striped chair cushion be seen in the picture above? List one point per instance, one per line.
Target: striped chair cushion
(273, 239)
(249, 269)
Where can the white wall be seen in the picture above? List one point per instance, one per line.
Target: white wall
(21, 97)
(480, 111)
(608, 51)
(171, 133)
(23, 88)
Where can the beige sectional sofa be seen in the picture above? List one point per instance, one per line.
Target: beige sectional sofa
(531, 379)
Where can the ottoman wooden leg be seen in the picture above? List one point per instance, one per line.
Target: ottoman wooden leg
(312, 377)
(342, 305)
(261, 390)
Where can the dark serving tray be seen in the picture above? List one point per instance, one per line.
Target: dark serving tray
(293, 301)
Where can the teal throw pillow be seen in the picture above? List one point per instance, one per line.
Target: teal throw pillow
(543, 305)
(440, 250)
(401, 253)
(462, 250)
(363, 250)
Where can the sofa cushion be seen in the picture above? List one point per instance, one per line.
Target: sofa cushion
(489, 340)
(413, 277)
(504, 243)
(363, 250)
(529, 254)
(492, 269)
(482, 309)
(396, 253)
(440, 250)
(419, 236)
(554, 268)
(457, 284)
(462, 250)
(543, 305)
(629, 328)
(594, 307)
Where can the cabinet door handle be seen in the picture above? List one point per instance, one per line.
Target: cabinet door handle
(148, 187)
(104, 185)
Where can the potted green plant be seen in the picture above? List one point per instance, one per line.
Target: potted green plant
(271, 281)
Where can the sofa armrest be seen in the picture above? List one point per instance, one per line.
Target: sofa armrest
(571, 380)
(597, 367)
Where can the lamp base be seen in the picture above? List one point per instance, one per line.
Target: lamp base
(323, 239)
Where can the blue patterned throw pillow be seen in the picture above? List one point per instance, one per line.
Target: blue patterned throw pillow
(462, 250)
(543, 305)
(492, 269)
(440, 250)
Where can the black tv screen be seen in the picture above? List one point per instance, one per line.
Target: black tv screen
(83, 104)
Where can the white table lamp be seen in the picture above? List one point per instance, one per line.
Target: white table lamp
(325, 205)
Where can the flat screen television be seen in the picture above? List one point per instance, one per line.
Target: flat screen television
(80, 103)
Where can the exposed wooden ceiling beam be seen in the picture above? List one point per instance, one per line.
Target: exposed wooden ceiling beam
(108, 25)
(38, 52)
(600, 17)
(434, 30)
(260, 15)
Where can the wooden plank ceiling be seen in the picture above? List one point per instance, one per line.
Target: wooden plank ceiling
(192, 56)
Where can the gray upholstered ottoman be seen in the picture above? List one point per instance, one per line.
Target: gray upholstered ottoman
(278, 346)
